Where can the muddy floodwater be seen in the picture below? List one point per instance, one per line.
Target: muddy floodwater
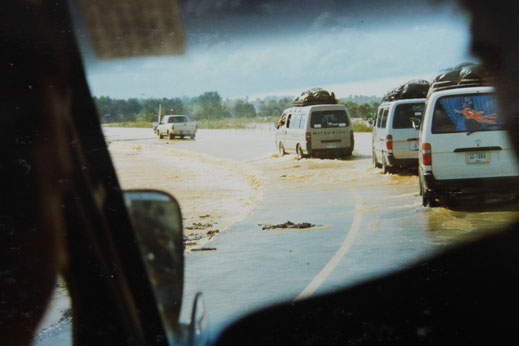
(261, 229)
(220, 177)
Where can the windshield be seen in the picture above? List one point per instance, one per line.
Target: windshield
(271, 214)
(326, 119)
(466, 113)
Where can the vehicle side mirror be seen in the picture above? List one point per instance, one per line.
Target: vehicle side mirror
(157, 221)
(276, 125)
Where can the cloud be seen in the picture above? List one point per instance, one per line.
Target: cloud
(329, 51)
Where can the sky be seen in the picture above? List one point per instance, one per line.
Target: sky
(280, 48)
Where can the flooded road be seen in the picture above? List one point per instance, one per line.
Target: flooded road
(369, 224)
(366, 224)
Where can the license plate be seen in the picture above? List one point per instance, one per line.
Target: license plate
(413, 146)
(331, 145)
(478, 157)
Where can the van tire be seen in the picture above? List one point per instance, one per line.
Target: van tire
(299, 152)
(281, 149)
(171, 136)
(428, 199)
(160, 136)
(385, 167)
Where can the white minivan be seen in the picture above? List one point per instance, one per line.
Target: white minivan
(317, 130)
(463, 146)
(394, 138)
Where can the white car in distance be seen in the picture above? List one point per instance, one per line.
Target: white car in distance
(172, 126)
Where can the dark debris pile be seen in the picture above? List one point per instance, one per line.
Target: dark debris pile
(288, 224)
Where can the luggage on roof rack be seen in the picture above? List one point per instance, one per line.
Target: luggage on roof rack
(414, 89)
(316, 96)
(463, 75)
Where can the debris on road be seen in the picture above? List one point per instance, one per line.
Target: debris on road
(288, 224)
(199, 225)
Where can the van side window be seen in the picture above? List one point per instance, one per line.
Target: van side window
(295, 121)
(379, 116)
(289, 117)
(383, 121)
(282, 120)
(303, 121)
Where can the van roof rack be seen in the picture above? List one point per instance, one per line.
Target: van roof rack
(414, 89)
(315, 96)
(462, 76)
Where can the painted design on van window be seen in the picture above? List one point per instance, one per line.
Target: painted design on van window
(327, 119)
(470, 113)
(466, 113)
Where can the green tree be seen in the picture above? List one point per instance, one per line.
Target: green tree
(209, 106)
(243, 109)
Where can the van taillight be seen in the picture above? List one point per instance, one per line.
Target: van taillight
(308, 137)
(389, 142)
(426, 154)
(352, 137)
(172, 127)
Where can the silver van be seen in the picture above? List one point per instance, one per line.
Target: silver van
(395, 139)
(317, 130)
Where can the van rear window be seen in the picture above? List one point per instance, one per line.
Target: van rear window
(464, 113)
(405, 113)
(324, 119)
(177, 120)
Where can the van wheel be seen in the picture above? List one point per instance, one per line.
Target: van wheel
(160, 136)
(374, 159)
(281, 149)
(428, 199)
(385, 167)
(299, 152)
(171, 135)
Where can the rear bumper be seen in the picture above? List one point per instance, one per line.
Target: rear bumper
(329, 152)
(475, 185)
(394, 162)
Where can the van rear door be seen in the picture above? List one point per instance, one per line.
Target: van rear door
(330, 129)
(405, 136)
(468, 140)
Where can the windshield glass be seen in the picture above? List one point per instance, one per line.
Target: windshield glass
(465, 113)
(326, 119)
(272, 214)
(405, 113)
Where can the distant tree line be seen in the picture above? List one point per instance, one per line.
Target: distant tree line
(209, 105)
(364, 110)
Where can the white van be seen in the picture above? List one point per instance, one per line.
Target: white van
(394, 138)
(317, 130)
(463, 146)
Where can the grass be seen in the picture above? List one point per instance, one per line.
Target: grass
(146, 124)
(234, 123)
(361, 127)
(229, 123)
